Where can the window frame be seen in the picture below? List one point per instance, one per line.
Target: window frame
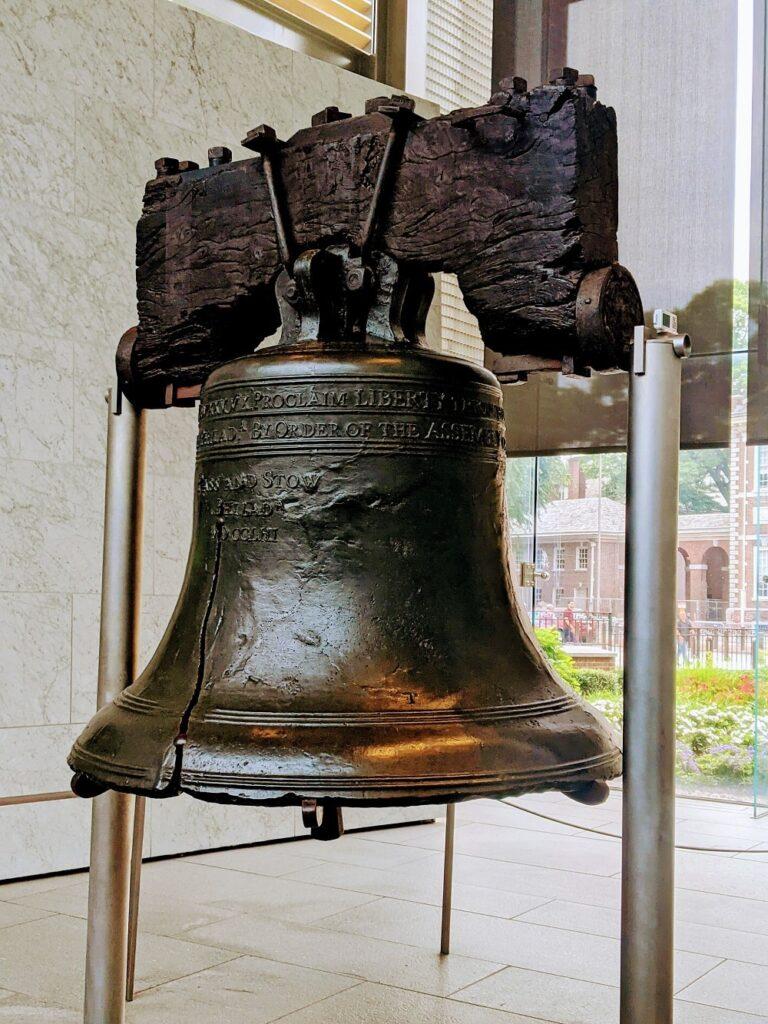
(392, 51)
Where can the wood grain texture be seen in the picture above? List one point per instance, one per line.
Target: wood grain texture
(518, 198)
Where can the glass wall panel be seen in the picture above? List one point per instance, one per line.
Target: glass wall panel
(757, 546)
(690, 98)
(578, 543)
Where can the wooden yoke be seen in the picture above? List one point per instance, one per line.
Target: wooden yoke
(517, 197)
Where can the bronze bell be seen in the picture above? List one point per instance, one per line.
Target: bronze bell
(348, 630)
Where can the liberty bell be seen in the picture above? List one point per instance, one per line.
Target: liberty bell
(348, 632)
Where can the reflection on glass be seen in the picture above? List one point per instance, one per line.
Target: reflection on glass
(760, 658)
(687, 219)
(576, 539)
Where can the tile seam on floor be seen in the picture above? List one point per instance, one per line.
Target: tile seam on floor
(421, 903)
(271, 916)
(714, 1006)
(546, 903)
(469, 956)
(30, 920)
(404, 942)
(322, 970)
(528, 864)
(242, 870)
(478, 913)
(425, 854)
(527, 1015)
(712, 892)
(723, 960)
(452, 995)
(579, 931)
(191, 974)
(317, 1002)
(529, 832)
(334, 913)
(678, 949)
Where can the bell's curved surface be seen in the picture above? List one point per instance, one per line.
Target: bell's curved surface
(348, 629)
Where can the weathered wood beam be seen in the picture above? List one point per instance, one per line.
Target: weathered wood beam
(517, 197)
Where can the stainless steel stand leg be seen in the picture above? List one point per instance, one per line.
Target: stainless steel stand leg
(445, 925)
(137, 848)
(649, 681)
(105, 964)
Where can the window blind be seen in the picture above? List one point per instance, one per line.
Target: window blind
(350, 21)
(458, 74)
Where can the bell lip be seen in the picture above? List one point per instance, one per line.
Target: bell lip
(125, 778)
(362, 792)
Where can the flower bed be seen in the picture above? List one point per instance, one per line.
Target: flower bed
(714, 741)
(715, 724)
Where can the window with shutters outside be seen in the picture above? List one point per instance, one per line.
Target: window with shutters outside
(341, 32)
(762, 580)
(349, 21)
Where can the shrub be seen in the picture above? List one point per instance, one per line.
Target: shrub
(551, 643)
(598, 680)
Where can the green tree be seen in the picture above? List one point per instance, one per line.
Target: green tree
(612, 469)
(705, 480)
(520, 482)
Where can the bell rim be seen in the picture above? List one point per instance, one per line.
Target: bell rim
(364, 790)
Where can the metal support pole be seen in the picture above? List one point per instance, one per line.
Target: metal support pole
(445, 924)
(647, 909)
(137, 849)
(112, 814)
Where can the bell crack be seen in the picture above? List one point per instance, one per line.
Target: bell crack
(181, 737)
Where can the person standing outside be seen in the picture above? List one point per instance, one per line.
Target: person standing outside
(569, 624)
(684, 627)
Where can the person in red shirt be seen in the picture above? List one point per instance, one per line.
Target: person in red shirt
(569, 624)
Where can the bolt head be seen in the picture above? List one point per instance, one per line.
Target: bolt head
(389, 105)
(563, 76)
(260, 139)
(514, 84)
(219, 155)
(373, 104)
(327, 115)
(355, 279)
(291, 291)
(188, 165)
(166, 165)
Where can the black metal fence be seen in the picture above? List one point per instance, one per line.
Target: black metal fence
(700, 644)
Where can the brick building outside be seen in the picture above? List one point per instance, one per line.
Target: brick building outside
(580, 544)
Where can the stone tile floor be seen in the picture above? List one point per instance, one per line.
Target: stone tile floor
(347, 932)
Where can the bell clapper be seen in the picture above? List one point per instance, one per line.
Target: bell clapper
(329, 826)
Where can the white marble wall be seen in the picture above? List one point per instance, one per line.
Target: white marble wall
(90, 94)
